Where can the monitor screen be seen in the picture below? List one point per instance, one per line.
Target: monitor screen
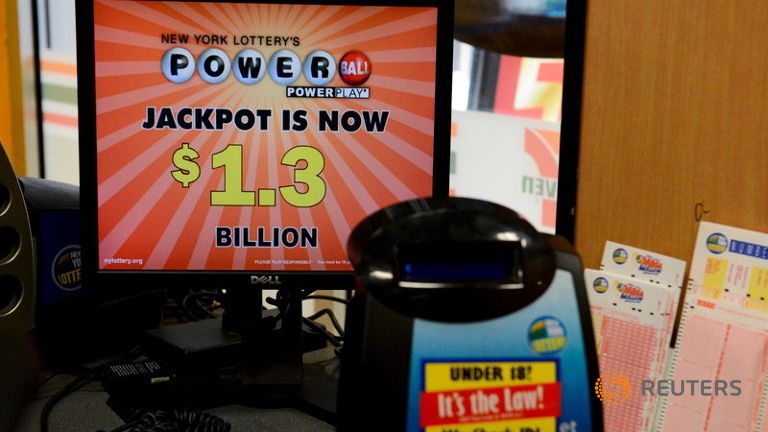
(253, 136)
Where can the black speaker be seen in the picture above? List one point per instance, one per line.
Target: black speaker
(61, 308)
(17, 260)
(17, 296)
(75, 322)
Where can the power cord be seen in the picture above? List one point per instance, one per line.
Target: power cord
(335, 341)
(332, 316)
(178, 420)
(197, 301)
(73, 386)
(282, 302)
(191, 305)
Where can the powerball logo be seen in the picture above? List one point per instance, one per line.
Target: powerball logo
(284, 67)
(630, 293)
(648, 264)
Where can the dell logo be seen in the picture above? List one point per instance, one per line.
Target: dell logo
(265, 280)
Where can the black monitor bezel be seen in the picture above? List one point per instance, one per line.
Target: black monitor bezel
(570, 126)
(152, 279)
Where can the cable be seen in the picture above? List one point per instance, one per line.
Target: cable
(61, 394)
(178, 420)
(307, 292)
(336, 342)
(194, 295)
(197, 421)
(282, 302)
(332, 316)
(190, 305)
(173, 309)
(76, 384)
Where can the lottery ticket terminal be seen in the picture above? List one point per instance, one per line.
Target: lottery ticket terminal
(465, 318)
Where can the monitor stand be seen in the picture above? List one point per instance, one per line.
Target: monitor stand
(319, 391)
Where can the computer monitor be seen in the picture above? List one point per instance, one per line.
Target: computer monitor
(237, 143)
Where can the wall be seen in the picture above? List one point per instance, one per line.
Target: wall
(674, 114)
(58, 64)
(18, 97)
(11, 125)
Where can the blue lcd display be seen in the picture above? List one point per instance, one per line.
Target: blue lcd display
(456, 271)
